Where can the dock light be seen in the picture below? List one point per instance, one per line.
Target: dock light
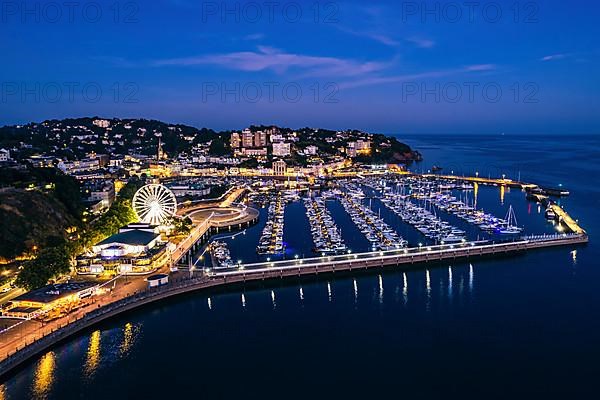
(503, 176)
(296, 256)
(322, 254)
(268, 259)
(429, 249)
(477, 174)
(381, 253)
(464, 240)
(405, 251)
(349, 251)
(355, 256)
(239, 262)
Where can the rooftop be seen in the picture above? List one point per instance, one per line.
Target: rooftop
(49, 293)
(133, 237)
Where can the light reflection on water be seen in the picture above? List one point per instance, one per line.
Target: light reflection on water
(108, 347)
(93, 355)
(44, 376)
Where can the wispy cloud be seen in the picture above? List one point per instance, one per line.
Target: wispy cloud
(370, 81)
(421, 42)
(370, 34)
(554, 57)
(271, 59)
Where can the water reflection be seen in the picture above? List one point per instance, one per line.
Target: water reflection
(273, 299)
(470, 278)
(355, 291)
(209, 303)
(93, 354)
(380, 290)
(405, 288)
(301, 293)
(502, 193)
(329, 291)
(128, 339)
(44, 376)
(428, 289)
(475, 194)
(450, 283)
(243, 300)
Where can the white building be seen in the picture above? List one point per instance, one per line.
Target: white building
(131, 240)
(311, 150)
(281, 149)
(102, 123)
(4, 155)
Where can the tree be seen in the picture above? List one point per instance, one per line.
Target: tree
(50, 263)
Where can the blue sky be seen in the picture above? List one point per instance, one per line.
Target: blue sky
(391, 67)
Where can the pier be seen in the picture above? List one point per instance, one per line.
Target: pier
(46, 337)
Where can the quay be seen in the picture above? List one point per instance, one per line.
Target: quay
(401, 258)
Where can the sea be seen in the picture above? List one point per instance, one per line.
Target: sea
(525, 326)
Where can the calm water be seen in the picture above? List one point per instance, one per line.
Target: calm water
(524, 326)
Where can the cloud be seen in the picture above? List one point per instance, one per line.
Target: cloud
(272, 59)
(554, 57)
(420, 42)
(370, 81)
(480, 67)
(370, 34)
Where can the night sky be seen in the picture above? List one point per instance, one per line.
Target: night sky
(391, 67)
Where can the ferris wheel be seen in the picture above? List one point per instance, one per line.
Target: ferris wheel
(154, 204)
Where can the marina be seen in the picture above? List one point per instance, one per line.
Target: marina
(326, 236)
(271, 239)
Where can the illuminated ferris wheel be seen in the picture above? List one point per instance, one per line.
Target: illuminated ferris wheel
(154, 204)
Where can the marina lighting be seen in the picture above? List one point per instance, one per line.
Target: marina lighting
(349, 251)
(239, 262)
(296, 256)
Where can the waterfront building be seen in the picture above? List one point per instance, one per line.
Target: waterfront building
(45, 300)
(279, 168)
(136, 248)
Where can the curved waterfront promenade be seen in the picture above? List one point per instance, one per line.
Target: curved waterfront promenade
(401, 258)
